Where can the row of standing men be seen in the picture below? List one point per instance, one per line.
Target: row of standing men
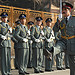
(41, 40)
(29, 45)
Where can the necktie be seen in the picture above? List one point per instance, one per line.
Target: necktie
(66, 20)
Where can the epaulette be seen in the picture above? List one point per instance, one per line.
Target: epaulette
(34, 25)
(73, 15)
(18, 25)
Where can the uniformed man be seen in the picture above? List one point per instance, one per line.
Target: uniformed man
(30, 25)
(36, 46)
(49, 42)
(15, 45)
(5, 45)
(67, 41)
(60, 56)
(42, 43)
(21, 33)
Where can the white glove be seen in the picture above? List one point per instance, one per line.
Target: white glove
(28, 32)
(41, 40)
(48, 40)
(3, 37)
(10, 29)
(42, 33)
(25, 40)
(53, 38)
(31, 41)
(37, 40)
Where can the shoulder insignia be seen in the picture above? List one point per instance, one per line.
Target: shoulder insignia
(73, 15)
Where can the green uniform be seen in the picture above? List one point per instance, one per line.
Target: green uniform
(22, 46)
(42, 47)
(41, 50)
(67, 41)
(30, 52)
(66, 61)
(15, 47)
(5, 46)
(60, 56)
(36, 47)
(59, 61)
(48, 32)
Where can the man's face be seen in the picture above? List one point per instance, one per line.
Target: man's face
(5, 19)
(42, 27)
(49, 24)
(66, 12)
(23, 21)
(39, 23)
(29, 26)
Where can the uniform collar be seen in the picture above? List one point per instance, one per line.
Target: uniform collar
(68, 17)
(4, 24)
(48, 27)
(37, 26)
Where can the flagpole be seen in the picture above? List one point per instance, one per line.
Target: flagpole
(34, 4)
(61, 8)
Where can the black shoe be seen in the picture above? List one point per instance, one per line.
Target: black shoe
(21, 73)
(48, 70)
(59, 68)
(29, 67)
(67, 67)
(26, 73)
(41, 71)
(16, 67)
(43, 66)
(63, 68)
(52, 70)
(36, 71)
(10, 74)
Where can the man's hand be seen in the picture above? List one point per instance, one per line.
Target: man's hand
(28, 32)
(25, 40)
(3, 37)
(37, 40)
(42, 33)
(10, 30)
(48, 40)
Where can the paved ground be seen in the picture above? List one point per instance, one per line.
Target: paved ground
(56, 72)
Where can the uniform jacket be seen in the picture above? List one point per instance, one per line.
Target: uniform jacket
(47, 31)
(20, 33)
(4, 28)
(35, 34)
(67, 33)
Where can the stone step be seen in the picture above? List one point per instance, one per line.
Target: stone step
(56, 72)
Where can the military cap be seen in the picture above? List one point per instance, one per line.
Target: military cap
(48, 20)
(30, 23)
(38, 18)
(4, 14)
(67, 5)
(22, 16)
(17, 22)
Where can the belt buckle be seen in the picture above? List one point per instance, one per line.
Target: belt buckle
(67, 37)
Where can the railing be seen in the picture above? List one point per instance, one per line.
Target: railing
(14, 13)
